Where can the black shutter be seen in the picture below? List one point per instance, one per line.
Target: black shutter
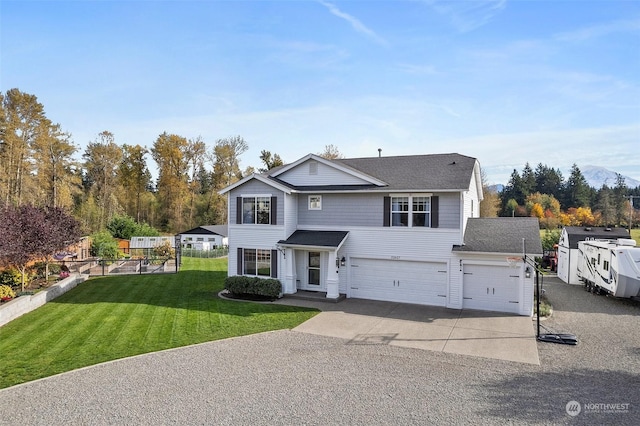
(238, 210)
(239, 261)
(274, 263)
(386, 211)
(435, 202)
(274, 210)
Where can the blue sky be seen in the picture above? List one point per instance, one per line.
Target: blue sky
(507, 82)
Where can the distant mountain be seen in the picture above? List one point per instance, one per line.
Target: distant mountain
(496, 188)
(598, 176)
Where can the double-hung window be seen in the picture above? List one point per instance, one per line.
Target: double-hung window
(256, 210)
(421, 211)
(411, 211)
(399, 211)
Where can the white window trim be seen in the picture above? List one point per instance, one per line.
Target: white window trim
(410, 197)
(310, 205)
(256, 196)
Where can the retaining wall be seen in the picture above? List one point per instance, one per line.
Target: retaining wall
(23, 304)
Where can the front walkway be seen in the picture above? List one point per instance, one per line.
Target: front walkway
(465, 332)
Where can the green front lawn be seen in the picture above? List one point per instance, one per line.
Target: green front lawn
(108, 318)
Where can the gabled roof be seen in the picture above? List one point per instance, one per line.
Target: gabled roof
(221, 230)
(428, 173)
(331, 163)
(502, 235)
(434, 172)
(323, 239)
(581, 233)
(262, 178)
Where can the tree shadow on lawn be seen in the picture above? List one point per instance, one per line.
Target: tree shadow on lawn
(190, 289)
(542, 398)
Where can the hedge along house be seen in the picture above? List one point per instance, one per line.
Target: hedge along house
(380, 228)
(568, 253)
(205, 237)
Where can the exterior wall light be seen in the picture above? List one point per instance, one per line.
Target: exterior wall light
(527, 272)
(343, 261)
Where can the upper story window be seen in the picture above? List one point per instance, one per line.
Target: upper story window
(256, 210)
(315, 202)
(411, 211)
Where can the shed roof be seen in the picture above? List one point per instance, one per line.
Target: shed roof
(506, 235)
(222, 230)
(581, 233)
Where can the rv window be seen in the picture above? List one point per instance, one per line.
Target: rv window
(605, 265)
(598, 258)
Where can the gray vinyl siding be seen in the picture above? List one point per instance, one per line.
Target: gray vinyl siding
(449, 210)
(255, 187)
(325, 175)
(342, 210)
(366, 210)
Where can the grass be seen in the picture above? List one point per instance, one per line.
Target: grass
(108, 318)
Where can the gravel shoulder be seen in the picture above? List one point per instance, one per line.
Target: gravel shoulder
(285, 377)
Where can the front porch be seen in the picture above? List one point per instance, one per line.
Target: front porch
(312, 263)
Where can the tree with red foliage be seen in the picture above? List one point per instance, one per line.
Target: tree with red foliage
(29, 233)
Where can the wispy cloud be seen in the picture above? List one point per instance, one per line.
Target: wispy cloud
(355, 23)
(600, 30)
(467, 16)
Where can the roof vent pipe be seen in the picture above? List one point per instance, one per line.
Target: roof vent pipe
(379, 152)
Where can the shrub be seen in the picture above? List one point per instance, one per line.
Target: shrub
(11, 277)
(6, 292)
(241, 285)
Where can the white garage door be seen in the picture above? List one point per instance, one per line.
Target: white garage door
(423, 283)
(491, 288)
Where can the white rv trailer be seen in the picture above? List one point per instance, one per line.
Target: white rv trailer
(610, 266)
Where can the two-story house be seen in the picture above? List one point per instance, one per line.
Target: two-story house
(383, 228)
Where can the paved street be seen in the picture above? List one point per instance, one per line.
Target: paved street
(289, 377)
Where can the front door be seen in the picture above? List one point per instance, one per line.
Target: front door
(313, 270)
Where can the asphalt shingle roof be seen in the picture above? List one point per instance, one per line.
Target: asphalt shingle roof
(419, 172)
(581, 233)
(315, 238)
(502, 235)
(209, 229)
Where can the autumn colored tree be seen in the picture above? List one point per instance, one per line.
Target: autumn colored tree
(22, 121)
(54, 167)
(331, 152)
(33, 233)
(135, 178)
(490, 204)
(170, 153)
(102, 160)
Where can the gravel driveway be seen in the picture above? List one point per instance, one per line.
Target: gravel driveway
(286, 377)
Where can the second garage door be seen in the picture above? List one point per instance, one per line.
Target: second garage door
(491, 288)
(399, 281)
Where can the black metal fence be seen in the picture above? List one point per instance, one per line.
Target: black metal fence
(98, 267)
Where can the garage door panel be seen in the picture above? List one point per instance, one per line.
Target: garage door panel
(493, 288)
(399, 281)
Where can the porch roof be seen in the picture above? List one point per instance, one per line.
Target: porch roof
(316, 239)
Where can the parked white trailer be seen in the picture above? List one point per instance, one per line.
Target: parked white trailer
(610, 266)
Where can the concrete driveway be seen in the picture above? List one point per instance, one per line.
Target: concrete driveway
(465, 332)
